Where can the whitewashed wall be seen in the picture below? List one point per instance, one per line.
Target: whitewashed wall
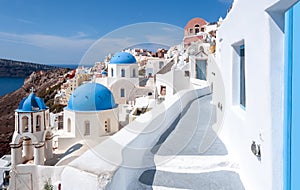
(260, 25)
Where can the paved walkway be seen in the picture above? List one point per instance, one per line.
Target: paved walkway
(191, 156)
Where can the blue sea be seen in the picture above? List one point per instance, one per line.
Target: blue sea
(9, 84)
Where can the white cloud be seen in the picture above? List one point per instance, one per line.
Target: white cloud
(24, 21)
(47, 41)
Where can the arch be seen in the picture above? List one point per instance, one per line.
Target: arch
(17, 139)
(122, 72)
(69, 125)
(196, 25)
(38, 123)
(25, 122)
(87, 128)
(47, 134)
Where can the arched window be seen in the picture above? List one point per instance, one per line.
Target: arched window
(25, 124)
(122, 92)
(87, 129)
(122, 72)
(38, 123)
(69, 125)
(107, 126)
(133, 73)
(112, 72)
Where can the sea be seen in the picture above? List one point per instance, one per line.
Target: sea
(10, 84)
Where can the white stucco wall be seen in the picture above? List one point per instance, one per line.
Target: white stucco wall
(34, 177)
(96, 122)
(129, 73)
(262, 120)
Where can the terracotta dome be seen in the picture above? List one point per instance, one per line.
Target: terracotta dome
(194, 21)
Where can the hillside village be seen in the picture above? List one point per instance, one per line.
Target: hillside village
(203, 114)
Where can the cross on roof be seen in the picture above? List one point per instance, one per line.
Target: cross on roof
(32, 89)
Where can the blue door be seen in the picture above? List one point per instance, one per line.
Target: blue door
(292, 102)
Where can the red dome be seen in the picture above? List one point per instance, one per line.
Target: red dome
(194, 21)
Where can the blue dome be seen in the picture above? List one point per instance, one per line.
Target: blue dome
(122, 58)
(31, 103)
(104, 72)
(91, 97)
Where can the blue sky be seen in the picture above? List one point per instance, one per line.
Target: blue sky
(61, 31)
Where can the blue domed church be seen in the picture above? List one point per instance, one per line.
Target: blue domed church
(122, 78)
(91, 113)
(32, 138)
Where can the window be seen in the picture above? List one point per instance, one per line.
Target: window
(69, 125)
(112, 72)
(202, 29)
(201, 68)
(239, 75)
(25, 124)
(87, 130)
(242, 77)
(191, 30)
(187, 73)
(107, 126)
(163, 90)
(122, 93)
(122, 72)
(133, 73)
(161, 64)
(196, 30)
(38, 123)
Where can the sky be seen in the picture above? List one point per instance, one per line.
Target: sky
(63, 31)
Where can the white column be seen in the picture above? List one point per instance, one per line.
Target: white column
(27, 149)
(48, 148)
(39, 154)
(16, 154)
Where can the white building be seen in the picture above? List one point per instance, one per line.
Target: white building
(122, 78)
(91, 114)
(252, 54)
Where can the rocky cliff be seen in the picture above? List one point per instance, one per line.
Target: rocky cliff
(46, 84)
(11, 68)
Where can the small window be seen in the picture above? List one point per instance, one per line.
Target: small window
(196, 30)
(107, 126)
(122, 93)
(87, 130)
(25, 123)
(242, 77)
(122, 72)
(69, 125)
(161, 64)
(38, 123)
(133, 73)
(191, 31)
(162, 90)
(239, 75)
(187, 73)
(112, 72)
(202, 29)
